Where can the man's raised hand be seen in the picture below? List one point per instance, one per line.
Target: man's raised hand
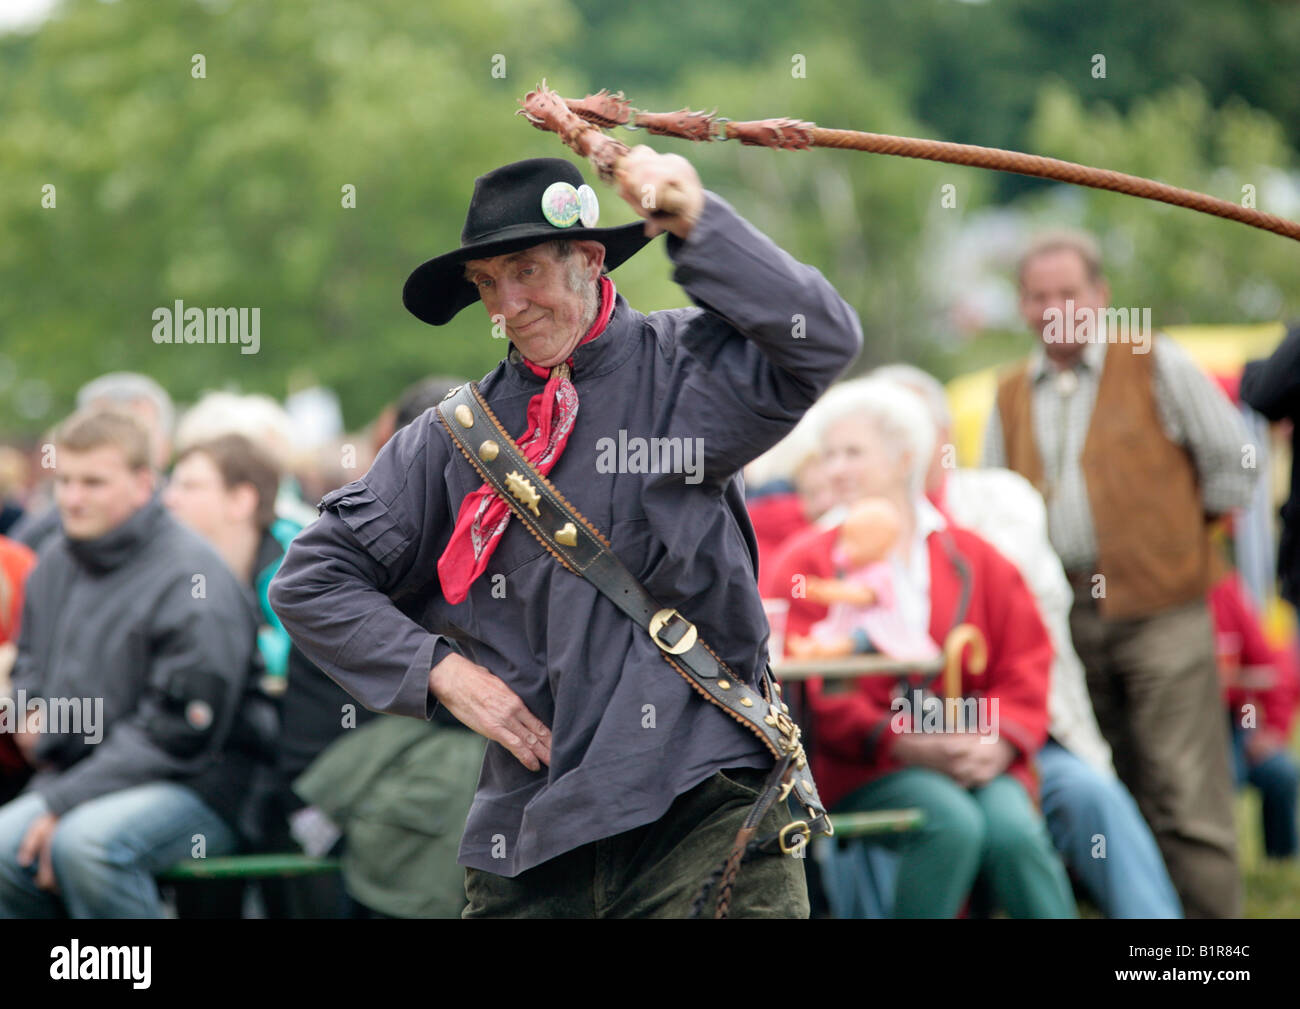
(651, 183)
(485, 704)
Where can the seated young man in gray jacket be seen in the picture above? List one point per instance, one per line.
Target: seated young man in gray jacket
(133, 692)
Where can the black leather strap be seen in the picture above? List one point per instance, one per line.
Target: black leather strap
(581, 548)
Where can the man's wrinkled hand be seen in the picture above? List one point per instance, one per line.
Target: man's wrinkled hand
(651, 182)
(36, 844)
(485, 704)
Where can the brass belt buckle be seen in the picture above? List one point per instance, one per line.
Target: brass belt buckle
(801, 826)
(661, 619)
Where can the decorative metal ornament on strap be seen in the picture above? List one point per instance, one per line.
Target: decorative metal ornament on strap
(579, 122)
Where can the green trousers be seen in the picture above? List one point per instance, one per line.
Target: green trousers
(656, 871)
(991, 833)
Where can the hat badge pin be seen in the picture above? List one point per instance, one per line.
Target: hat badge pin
(563, 205)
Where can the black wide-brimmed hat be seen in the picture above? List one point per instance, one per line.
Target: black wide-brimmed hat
(515, 206)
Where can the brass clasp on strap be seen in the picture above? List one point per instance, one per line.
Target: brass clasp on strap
(660, 620)
(801, 828)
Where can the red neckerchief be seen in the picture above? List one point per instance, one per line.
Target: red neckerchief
(483, 516)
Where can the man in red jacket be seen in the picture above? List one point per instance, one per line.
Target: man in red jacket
(875, 743)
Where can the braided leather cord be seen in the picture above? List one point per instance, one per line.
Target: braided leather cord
(607, 110)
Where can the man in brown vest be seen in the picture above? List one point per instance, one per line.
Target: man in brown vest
(1134, 450)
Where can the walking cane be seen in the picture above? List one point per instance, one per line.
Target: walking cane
(954, 646)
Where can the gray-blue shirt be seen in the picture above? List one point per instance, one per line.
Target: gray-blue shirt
(359, 592)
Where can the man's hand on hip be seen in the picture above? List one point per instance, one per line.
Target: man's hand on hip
(650, 182)
(485, 704)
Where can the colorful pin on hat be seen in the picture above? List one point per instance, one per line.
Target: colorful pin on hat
(589, 206)
(511, 210)
(561, 205)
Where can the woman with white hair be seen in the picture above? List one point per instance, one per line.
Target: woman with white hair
(877, 744)
(1079, 794)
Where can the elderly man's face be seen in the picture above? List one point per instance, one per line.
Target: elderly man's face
(544, 302)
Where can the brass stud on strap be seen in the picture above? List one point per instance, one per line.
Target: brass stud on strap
(464, 416)
(567, 534)
(488, 450)
(747, 702)
(785, 707)
(724, 684)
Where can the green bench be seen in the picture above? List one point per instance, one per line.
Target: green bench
(850, 826)
(273, 866)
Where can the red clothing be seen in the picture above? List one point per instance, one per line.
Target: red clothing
(851, 734)
(1233, 613)
(777, 516)
(16, 563)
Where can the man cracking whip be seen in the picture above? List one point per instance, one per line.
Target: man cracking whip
(603, 630)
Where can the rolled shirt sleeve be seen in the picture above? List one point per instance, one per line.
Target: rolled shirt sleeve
(1198, 415)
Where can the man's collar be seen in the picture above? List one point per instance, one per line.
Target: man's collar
(589, 359)
(120, 544)
(269, 551)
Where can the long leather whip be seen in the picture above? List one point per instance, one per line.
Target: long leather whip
(579, 123)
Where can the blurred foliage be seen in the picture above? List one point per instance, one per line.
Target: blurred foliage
(226, 190)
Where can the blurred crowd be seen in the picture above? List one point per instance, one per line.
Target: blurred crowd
(1078, 588)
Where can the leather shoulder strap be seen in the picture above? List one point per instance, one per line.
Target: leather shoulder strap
(581, 548)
